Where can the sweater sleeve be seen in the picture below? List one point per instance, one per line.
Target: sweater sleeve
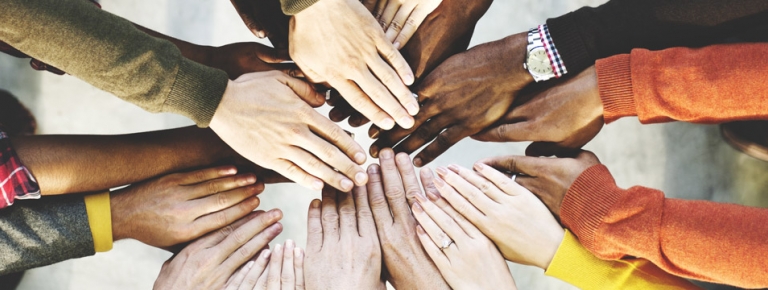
(291, 7)
(589, 34)
(702, 240)
(715, 84)
(575, 265)
(111, 54)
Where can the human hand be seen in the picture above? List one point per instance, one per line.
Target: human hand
(342, 247)
(281, 268)
(547, 178)
(515, 219)
(180, 207)
(466, 258)
(246, 57)
(355, 58)
(560, 119)
(265, 18)
(266, 118)
(401, 18)
(464, 95)
(211, 260)
(391, 188)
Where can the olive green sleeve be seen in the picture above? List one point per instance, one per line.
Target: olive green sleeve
(291, 7)
(111, 54)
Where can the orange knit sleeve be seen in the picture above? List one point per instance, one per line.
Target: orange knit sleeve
(715, 84)
(714, 242)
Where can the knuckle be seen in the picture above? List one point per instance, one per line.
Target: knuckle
(244, 252)
(226, 230)
(221, 220)
(442, 140)
(378, 200)
(330, 217)
(485, 186)
(213, 187)
(364, 213)
(501, 131)
(422, 133)
(396, 26)
(222, 200)
(347, 210)
(239, 237)
(314, 163)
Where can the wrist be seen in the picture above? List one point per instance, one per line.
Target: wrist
(550, 248)
(514, 57)
(120, 227)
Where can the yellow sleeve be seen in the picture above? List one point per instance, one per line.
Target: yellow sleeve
(577, 266)
(100, 220)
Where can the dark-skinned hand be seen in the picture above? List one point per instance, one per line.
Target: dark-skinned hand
(560, 119)
(463, 96)
(265, 18)
(445, 32)
(246, 57)
(547, 178)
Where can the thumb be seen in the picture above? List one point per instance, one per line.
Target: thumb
(514, 132)
(305, 91)
(272, 55)
(531, 166)
(539, 149)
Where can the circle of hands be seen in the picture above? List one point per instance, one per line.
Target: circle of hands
(451, 228)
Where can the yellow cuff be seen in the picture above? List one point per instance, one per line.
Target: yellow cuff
(577, 266)
(100, 220)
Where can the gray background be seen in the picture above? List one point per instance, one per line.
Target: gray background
(685, 160)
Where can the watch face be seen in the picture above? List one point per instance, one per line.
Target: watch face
(538, 61)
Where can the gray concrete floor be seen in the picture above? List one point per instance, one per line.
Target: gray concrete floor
(686, 161)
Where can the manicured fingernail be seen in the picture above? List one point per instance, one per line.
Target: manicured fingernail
(396, 45)
(478, 166)
(346, 184)
(265, 254)
(386, 154)
(278, 248)
(373, 169)
(360, 157)
(408, 79)
(417, 207)
(315, 203)
(454, 168)
(432, 196)
(439, 182)
(417, 162)
(406, 122)
(413, 109)
(387, 123)
(361, 178)
(317, 185)
(420, 230)
(289, 243)
(441, 171)
(249, 265)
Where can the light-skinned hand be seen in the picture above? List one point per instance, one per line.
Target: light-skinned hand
(210, 261)
(391, 188)
(560, 119)
(464, 95)
(468, 259)
(401, 18)
(280, 268)
(180, 207)
(343, 249)
(547, 178)
(339, 42)
(515, 219)
(266, 118)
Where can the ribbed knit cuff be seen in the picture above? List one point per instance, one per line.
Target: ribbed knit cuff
(292, 7)
(614, 81)
(197, 92)
(588, 201)
(565, 34)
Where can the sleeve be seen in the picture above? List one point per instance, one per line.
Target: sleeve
(577, 266)
(292, 7)
(715, 84)
(16, 182)
(702, 240)
(36, 233)
(589, 34)
(100, 220)
(111, 54)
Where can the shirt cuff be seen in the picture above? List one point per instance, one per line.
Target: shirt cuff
(197, 92)
(100, 219)
(614, 82)
(575, 265)
(16, 182)
(292, 7)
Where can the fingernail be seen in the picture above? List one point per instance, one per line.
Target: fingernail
(397, 45)
(360, 157)
(441, 171)
(373, 169)
(228, 171)
(315, 203)
(374, 150)
(408, 79)
(335, 116)
(265, 254)
(439, 182)
(406, 122)
(417, 207)
(297, 252)
(478, 166)
(317, 185)
(278, 248)
(361, 178)
(420, 198)
(417, 162)
(374, 133)
(249, 180)
(346, 184)
(432, 196)
(420, 230)
(289, 243)
(385, 154)
(262, 34)
(454, 168)
(249, 265)
(402, 159)
(387, 123)
(413, 109)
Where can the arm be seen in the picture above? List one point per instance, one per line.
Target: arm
(111, 54)
(715, 84)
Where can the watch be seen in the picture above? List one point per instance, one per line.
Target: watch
(537, 60)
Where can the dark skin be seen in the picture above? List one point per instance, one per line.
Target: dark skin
(464, 95)
(265, 18)
(547, 178)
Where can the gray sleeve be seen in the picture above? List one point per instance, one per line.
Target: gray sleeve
(36, 233)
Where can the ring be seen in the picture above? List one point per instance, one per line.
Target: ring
(514, 176)
(446, 244)
(415, 96)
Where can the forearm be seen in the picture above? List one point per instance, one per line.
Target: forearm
(67, 164)
(197, 53)
(715, 84)
(618, 26)
(693, 239)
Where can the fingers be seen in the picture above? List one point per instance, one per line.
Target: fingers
(343, 143)
(274, 270)
(363, 104)
(435, 233)
(227, 197)
(271, 55)
(330, 216)
(319, 169)
(249, 238)
(393, 186)
(392, 81)
(288, 276)
(376, 198)
(323, 155)
(314, 227)
(304, 90)
(422, 130)
(412, 23)
(501, 180)
(397, 22)
(515, 132)
(434, 195)
(443, 222)
(219, 219)
(442, 143)
(538, 149)
(478, 190)
(207, 174)
(378, 10)
(365, 224)
(392, 56)
(426, 133)
(408, 175)
(216, 237)
(257, 267)
(298, 267)
(370, 5)
(347, 213)
(441, 261)
(380, 94)
(458, 202)
(388, 14)
(237, 280)
(531, 166)
(297, 174)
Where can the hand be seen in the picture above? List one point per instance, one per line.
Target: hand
(265, 18)
(463, 96)
(245, 57)
(210, 261)
(547, 178)
(407, 264)
(401, 18)
(282, 268)
(180, 207)
(560, 119)
(339, 42)
(466, 258)
(265, 117)
(515, 219)
(342, 247)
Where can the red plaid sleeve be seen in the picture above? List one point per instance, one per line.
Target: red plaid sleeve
(16, 182)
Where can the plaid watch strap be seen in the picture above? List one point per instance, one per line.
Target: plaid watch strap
(16, 182)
